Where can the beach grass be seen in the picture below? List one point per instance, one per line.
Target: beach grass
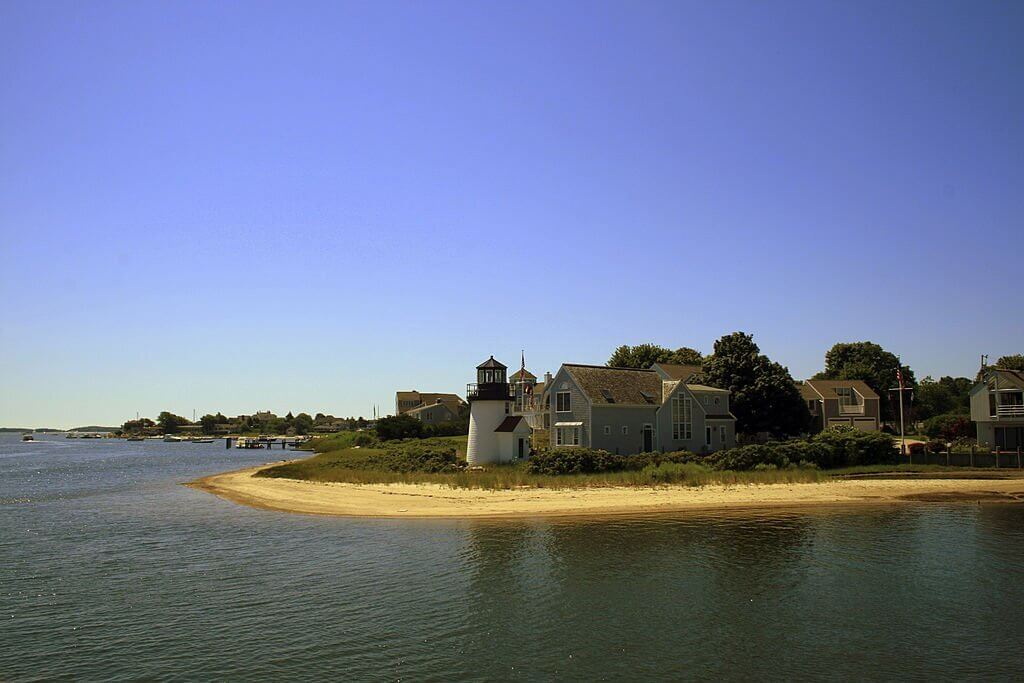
(349, 465)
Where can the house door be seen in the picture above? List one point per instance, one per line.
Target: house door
(522, 447)
(648, 439)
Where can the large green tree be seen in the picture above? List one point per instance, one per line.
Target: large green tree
(210, 422)
(947, 395)
(169, 422)
(642, 356)
(869, 362)
(1014, 362)
(763, 395)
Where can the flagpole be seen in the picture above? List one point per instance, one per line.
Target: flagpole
(903, 437)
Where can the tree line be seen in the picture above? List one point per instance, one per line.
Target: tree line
(211, 423)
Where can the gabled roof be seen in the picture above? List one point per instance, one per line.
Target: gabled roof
(526, 374)
(706, 388)
(1007, 378)
(826, 387)
(490, 363)
(678, 372)
(626, 386)
(509, 424)
(419, 409)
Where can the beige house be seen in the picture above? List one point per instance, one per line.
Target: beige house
(842, 402)
(407, 400)
(435, 413)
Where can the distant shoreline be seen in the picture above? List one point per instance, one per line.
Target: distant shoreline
(430, 501)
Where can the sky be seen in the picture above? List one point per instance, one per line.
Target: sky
(307, 206)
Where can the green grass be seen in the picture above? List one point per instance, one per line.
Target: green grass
(350, 465)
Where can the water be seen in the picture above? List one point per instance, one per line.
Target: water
(111, 570)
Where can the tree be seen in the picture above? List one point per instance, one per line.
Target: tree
(947, 395)
(302, 423)
(869, 362)
(1014, 362)
(169, 422)
(137, 426)
(399, 427)
(763, 396)
(643, 356)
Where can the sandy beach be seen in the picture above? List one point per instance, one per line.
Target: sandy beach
(432, 501)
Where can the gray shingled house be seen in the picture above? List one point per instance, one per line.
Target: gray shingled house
(624, 410)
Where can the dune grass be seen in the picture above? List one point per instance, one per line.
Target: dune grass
(349, 465)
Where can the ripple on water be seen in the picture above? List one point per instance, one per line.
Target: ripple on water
(112, 570)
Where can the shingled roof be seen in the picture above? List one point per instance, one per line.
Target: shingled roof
(826, 388)
(526, 374)
(623, 386)
(1014, 378)
(509, 424)
(679, 372)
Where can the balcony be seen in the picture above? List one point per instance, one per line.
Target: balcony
(851, 409)
(490, 392)
(1014, 410)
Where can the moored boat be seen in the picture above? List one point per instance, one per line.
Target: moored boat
(172, 439)
(27, 437)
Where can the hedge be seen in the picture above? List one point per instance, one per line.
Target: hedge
(829, 449)
(587, 461)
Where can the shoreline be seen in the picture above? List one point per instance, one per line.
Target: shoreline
(432, 501)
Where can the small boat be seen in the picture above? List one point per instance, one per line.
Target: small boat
(200, 439)
(136, 438)
(172, 439)
(90, 435)
(71, 435)
(27, 437)
(248, 443)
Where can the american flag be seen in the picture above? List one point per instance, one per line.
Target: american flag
(899, 377)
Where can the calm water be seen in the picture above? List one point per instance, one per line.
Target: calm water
(110, 570)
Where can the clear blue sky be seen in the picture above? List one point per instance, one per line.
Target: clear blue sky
(241, 205)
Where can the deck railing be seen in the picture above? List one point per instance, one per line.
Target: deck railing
(851, 409)
(1011, 410)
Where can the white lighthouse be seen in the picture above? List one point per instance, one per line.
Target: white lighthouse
(489, 406)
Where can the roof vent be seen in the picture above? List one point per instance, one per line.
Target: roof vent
(608, 396)
(648, 397)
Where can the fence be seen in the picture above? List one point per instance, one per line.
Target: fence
(977, 457)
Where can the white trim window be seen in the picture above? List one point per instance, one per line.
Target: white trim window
(625, 430)
(682, 418)
(563, 402)
(707, 435)
(567, 436)
(607, 430)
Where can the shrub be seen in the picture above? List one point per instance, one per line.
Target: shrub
(950, 427)
(399, 427)
(852, 448)
(964, 445)
(936, 446)
(418, 456)
(553, 461)
(574, 461)
(916, 448)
